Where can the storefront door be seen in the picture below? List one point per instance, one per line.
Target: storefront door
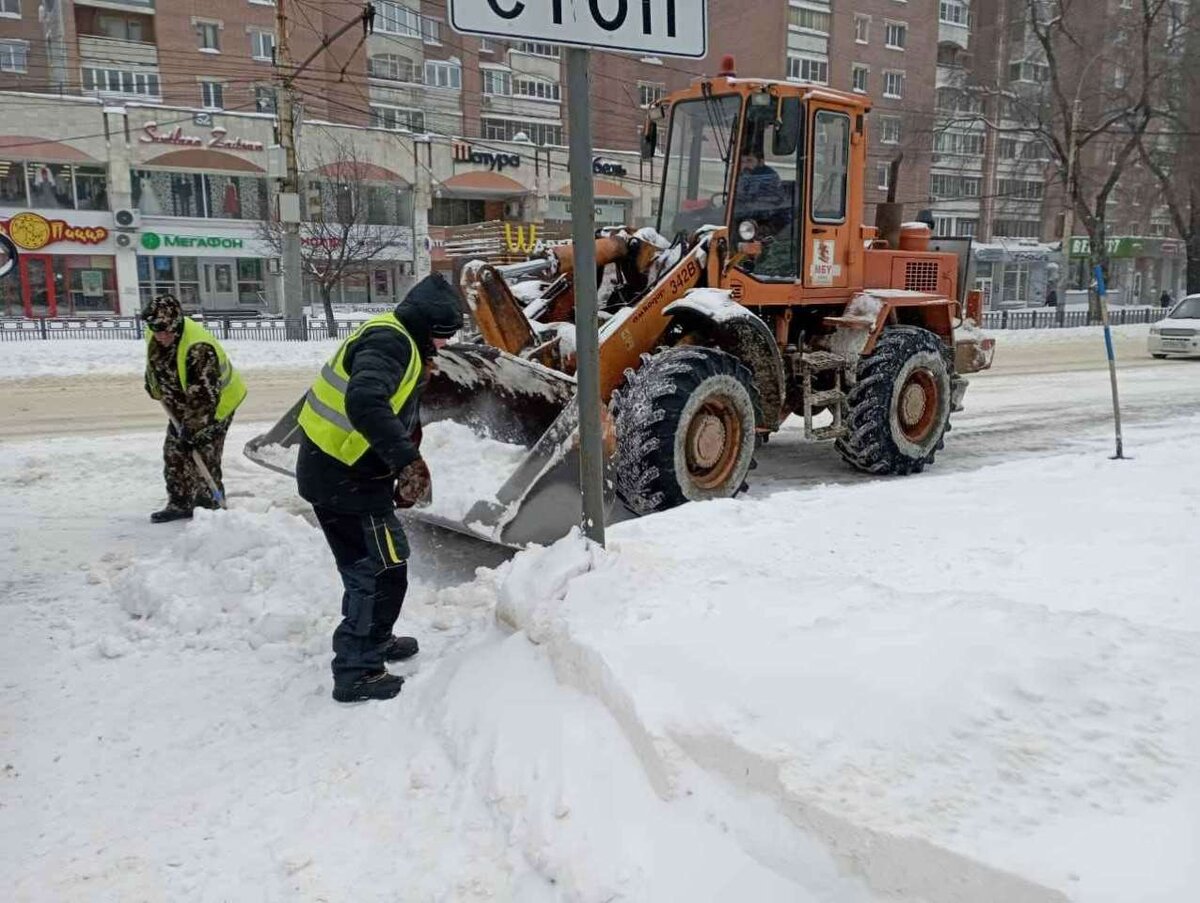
(220, 283)
(37, 285)
(383, 288)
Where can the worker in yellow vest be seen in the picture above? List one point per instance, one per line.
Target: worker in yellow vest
(189, 372)
(359, 460)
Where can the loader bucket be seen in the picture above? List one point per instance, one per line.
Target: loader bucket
(534, 495)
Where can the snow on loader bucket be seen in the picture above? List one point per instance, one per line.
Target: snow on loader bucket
(501, 398)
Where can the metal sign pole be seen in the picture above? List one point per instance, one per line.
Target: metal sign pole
(1102, 291)
(583, 236)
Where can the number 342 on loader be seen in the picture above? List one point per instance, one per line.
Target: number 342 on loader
(770, 298)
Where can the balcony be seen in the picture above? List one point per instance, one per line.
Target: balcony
(113, 52)
(125, 6)
(950, 33)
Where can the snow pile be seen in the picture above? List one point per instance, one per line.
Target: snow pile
(466, 467)
(1010, 337)
(1021, 696)
(72, 357)
(235, 577)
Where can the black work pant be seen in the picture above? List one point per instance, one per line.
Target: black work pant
(371, 552)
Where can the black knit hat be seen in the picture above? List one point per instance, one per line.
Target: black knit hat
(431, 311)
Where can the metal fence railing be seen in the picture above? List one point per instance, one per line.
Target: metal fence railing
(305, 329)
(1048, 318)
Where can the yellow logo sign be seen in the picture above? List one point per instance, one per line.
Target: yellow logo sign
(32, 231)
(515, 238)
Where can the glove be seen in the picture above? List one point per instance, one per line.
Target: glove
(203, 437)
(413, 484)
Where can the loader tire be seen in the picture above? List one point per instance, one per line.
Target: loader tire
(899, 408)
(685, 428)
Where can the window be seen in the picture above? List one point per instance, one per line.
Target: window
(1020, 189)
(14, 56)
(893, 84)
(808, 19)
(943, 225)
(53, 185)
(392, 66)
(1006, 148)
(955, 100)
(397, 19)
(262, 45)
(858, 78)
(1015, 282)
(10, 8)
(443, 75)
(264, 99)
(119, 28)
(969, 144)
(1026, 71)
(534, 48)
(650, 92)
(807, 69)
(895, 35)
(862, 29)
(831, 151)
(537, 88)
(487, 45)
(397, 119)
(1016, 228)
(943, 186)
(431, 30)
(210, 36)
(212, 95)
(200, 195)
(511, 129)
(889, 130)
(883, 176)
(121, 81)
(966, 228)
(496, 81)
(1120, 77)
(952, 12)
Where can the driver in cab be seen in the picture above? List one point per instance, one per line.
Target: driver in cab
(762, 199)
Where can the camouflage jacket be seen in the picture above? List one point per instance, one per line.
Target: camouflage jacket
(195, 407)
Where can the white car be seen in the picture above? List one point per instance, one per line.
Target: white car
(1179, 333)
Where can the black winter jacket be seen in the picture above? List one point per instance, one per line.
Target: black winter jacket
(376, 363)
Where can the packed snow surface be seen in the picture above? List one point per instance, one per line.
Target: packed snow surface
(971, 685)
(69, 357)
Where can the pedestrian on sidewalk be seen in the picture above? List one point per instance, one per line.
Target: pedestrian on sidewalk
(189, 372)
(360, 460)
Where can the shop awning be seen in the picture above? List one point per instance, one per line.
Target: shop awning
(205, 159)
(358, 170)
(41, 150)
(482, 184)
(603, 188)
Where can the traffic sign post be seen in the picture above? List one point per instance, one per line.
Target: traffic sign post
(660, 27)
(1102, 291)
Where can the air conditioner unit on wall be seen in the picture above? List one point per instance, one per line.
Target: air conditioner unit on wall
(127, 219)
(124, 240)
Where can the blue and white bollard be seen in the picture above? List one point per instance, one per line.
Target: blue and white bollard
(1102, 291)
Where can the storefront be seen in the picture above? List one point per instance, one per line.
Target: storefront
(66, 268)
(209, 271)
(1014, 274)
(1140, 269)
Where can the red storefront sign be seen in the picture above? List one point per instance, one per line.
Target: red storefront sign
(32, 232)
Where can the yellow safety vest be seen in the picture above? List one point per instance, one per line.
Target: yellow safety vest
(323, 416)
(233, 390)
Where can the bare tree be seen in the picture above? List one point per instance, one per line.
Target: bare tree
(352, 219)
(1172, 153)
(1102, 83)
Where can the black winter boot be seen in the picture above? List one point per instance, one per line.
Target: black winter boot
(373, 686)
(170, 513)
(399, 648)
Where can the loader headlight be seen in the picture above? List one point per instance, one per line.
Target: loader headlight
(1154, 330)
(747, 229)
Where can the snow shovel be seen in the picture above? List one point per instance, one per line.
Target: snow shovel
(217, 494)
(503, 398)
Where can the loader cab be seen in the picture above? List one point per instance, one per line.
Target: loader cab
(772, 162)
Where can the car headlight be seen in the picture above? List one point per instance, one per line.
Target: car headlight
(1154, 330)
(747, 230)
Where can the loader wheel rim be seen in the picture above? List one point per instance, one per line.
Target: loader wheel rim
(917, 405)
(713, 443)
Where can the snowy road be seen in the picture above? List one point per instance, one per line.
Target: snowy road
(1016, 724)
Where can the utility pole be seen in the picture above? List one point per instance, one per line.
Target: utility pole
(1068, 226)
(290, 205)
